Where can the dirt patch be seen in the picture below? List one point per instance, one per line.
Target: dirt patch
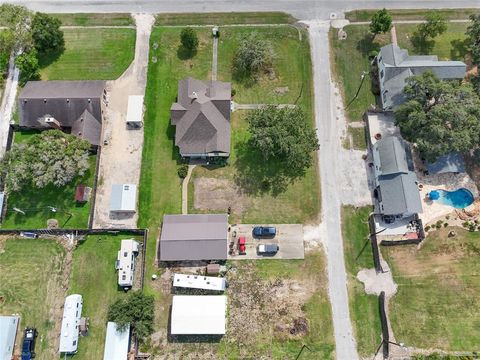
(219, 194)
(281, 90)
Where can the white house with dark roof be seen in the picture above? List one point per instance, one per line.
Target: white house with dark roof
(201, 117)
(395, 65)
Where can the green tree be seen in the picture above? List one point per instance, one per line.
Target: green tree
(439, 116)
(473, 38)
(381, 22)
(435, 25)
(189, 39)
(27, 63)
(49, 158)
(253, 55)
(135, 309)
(17, 20)
(284, 135)
(46, 33)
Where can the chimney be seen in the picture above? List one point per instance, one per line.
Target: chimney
(52, 122)
(210, 90)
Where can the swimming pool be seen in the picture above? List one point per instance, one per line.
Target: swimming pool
(459, 199)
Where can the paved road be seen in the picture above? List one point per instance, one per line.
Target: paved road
(302, 9)
(329, 162)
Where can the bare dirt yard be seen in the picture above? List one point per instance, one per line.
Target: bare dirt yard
(274, 306)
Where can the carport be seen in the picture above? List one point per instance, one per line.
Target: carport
(289, 239)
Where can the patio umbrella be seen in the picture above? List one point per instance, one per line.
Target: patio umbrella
(434, 195)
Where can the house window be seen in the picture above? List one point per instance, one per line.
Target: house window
(74, 342)
(382, 73)
(384, 96)
(379, 59)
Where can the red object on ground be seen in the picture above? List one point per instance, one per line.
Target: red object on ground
(241, 244)
(80, 193)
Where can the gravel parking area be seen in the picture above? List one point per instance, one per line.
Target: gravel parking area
(289, 239)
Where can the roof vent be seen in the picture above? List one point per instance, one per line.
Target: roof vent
(194, 95)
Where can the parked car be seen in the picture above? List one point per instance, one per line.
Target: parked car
(264, 231)
(242, 248)
(28, 345)
(267, 249)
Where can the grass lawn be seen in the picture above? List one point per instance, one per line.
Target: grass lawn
(437, 302)
(349, 60)
(358, 139)
(90, 54)
(31, 285)
(87, 19)
(224, 18)
(36, 202)
(448, 46)
(411, 14)
(358, 255)
(94, 277)
(299, 201)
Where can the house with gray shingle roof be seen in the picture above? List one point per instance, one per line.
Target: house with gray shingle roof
(72, 106)
(395, 65)
(201, 117)
(396, 191)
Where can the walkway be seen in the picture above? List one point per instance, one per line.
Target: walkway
(8, 103)
(215, 58)
(121, 159)
(185, 189)
(236, 106)
(329, 160)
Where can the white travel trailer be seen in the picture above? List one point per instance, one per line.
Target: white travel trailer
(125, 263)
(199, 282)
(72, 312)
(135, 112)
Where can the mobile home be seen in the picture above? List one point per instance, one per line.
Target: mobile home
(72, 312)
(125, 263)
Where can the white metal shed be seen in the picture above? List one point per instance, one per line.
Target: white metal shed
(123, 198)
(8, 333)
(198, 315)
(72, 312)
(116, 343)
(135, 111)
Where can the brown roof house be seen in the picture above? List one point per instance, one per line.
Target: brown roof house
(72, 106)
(201, 117)
(194, 237)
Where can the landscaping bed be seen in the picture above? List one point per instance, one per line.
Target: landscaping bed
(437, 302)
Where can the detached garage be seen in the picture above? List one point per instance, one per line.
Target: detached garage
(123, 198)
(194, 237)
(198, 315)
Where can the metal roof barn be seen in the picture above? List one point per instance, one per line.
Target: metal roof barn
(199, 282)
(123, 198)
(198, 315)
(194, 237)
(72, 312)
(8, 333)
(116, 342)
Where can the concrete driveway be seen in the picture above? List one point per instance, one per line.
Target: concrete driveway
(289, 239)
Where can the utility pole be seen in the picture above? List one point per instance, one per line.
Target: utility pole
(362, 77)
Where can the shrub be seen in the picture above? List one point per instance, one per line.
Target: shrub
(189, 39)
(182, 171)
(426, 228)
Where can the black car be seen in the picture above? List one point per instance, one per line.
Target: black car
(264, 231)
(28, 345)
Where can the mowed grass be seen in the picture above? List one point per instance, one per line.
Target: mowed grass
(299, 201)
(224, 18)
(37, 204)
(94, 277)
(411, 14)
(437, 302)
(90, 54)
(92, 19)
(450, 45)
(358, 255)
(350, 58)
(31, 280)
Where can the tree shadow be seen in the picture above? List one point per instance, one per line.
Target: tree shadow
(256, 176)
(184, 53)
(245, 78)
(46, 59)
(421, 44)
(459, 49)
(366, 45)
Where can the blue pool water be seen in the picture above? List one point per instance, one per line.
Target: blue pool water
(459, 199)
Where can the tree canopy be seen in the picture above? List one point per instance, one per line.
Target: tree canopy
(27, 63)
(439, 116)
(48, 158)
(17, 35)
(435, 25)
(381, 22)
(135, 309)
(46, 33)
(283, 134)
(473, 38)
(253, 55)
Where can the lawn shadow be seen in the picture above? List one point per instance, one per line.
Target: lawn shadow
(367, 44)
(421, 44)
(245, 78)
(256, 176)
(175, 155)
(459, 49)
(184, 53)
(46, 59)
